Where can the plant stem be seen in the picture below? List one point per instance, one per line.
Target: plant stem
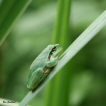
(72, 50)
(59, 86)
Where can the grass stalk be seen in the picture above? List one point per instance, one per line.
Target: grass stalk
(60, 35)
(71, 51)
(9, 13)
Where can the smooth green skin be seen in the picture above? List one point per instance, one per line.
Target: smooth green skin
(42, 65)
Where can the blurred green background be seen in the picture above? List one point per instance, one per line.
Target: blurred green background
(33, 32)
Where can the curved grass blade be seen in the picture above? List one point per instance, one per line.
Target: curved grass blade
(76, 46)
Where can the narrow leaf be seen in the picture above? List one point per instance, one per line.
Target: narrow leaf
(10, 10)
(77, 45)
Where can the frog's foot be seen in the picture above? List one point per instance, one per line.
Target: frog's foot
(52, 62)
(47, 71)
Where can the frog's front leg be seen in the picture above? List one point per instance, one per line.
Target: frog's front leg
(52, 62)
(35, 79)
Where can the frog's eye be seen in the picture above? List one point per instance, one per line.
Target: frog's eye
(54, 48)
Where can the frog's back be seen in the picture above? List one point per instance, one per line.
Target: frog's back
(42, 58)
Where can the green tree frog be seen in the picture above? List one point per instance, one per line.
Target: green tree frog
(42, 65)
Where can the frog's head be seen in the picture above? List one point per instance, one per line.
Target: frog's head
(56, 49)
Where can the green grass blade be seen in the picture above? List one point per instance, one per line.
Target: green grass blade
(88, 34)
(64, 38)
(76, 46)
(5, 8)
(58, 25)
(10, 10)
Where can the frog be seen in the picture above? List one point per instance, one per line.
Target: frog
(42, 65)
